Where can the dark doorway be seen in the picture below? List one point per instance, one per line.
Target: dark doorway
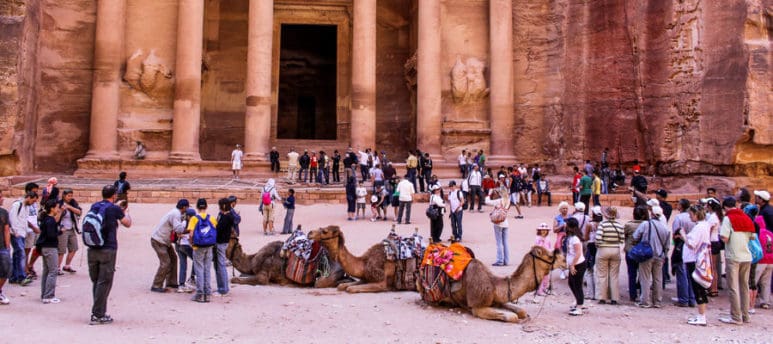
(307, 82)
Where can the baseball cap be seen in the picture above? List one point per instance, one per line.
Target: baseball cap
(579, 206)
(597, 210)
(657, 210)
(662, 193)
(762, 194)
(709, 200)
(637, 169)
(190, 212)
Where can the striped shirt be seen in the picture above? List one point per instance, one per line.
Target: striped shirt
(610, 233)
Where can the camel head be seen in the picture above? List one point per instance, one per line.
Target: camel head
(327, 235)
(546, 259)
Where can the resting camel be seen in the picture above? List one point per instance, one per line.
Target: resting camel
(374, 271)
(489, 296)
(267, 266)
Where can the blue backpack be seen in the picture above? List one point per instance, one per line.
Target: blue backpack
(92, 225)
(205, 234)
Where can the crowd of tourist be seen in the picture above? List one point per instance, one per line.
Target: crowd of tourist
(45, 223)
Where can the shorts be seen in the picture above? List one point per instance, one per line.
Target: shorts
(360, 206)
(68, 241)
(236, 165)
(268, 213)
(30, 239)
(5, 264)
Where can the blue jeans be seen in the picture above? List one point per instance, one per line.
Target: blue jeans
(503, 254)
(185, 252)
(221, 272)
(202, 262)
(18, 270)
(456, 224)
(683, 287)
(633, 285)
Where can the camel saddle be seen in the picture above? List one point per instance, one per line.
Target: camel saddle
(404, 252)
(304, 271)
(440, 268)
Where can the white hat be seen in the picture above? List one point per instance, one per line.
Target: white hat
(657, 210)
(762, 194)
(653, 202)
(543, 227)
(579, 206)
(597, 210)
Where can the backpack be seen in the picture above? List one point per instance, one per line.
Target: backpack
(92, 226)
(266, 197)
(768, 249)
(205, 234)
(121, 186)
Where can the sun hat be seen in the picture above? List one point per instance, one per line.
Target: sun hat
(597, 210)
(762, 194)
(579, 206)
(543, 227)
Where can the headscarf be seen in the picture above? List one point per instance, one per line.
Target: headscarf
(270, 184)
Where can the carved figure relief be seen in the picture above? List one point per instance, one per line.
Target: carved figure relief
(468, 84)
(148, 74)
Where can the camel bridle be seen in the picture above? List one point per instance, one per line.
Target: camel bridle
(552, 262)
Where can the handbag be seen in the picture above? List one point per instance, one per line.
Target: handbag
(756, 249)
(498, 215)
(642, 251)
(702, 274)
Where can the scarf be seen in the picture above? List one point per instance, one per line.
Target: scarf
(740, 222)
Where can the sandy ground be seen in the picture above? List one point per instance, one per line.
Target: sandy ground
(272, 314)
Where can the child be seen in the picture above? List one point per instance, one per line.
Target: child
(289, 204)
(542, 240)
(375, 205)
(361, 193)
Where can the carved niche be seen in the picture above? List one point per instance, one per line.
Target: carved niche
(148, 74)
(468, 84)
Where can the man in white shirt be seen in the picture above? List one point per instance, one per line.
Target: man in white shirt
(18, 218)
(463, 163)
(456, 201)
(406, 190)
(292, 165)
(236, 161)
(474, 180)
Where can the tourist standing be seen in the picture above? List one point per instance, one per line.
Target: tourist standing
(681, 227)
(411, 164)
(638, 184)
(456, 203)
(586, 190)
(202, 253)
(596, 188)
(171, 224)
(650, 271)
(762, 199)
(575, 260)
(361, 193)
(697, 239)
(292, 165)
(576, 184)
(225, 223)
(405, 190)
(102, 259)
(714, 217)
(273, 156)
(542, 240)
(185, 253)
(543, 188)
(351, 197)
(19, 223)
(426, 169)
(236, 161)
(235, 213)
(764, 271)
(267, 199)
(336, 166)
(640, 214)
(363, 160)
(50, 191)
(736, 232)
(378, 176)
(500, 228)
(436, 201)
(313, 166)
(47, 244)
(462, 161)
(475, 181)
(68, 225)
(122, 187)
(31, 255)
(304, 162)
(5, 251)
(289, 205)
(610, 235)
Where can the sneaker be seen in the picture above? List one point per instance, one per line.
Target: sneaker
(25, 282)
(184, 289)
(59, 272)
(4, 300)
(674, 299)
(752, 311)
(562, 275)
(576, 312)
(679, 304)
(644, 305)
(223, 294)
(613, 302)
(698, 320)
(158, 290)
(765, 306)
(51, 300)
(729, 320)
(198, 298)
(602, 302)
(95, 320)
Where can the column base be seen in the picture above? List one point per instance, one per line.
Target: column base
(500, 160)
(184, 156)
(256, 157)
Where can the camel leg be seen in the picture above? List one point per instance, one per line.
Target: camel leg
(492, 313)
(249, 280)
(344, 286)
(517, 310)
(368, 288)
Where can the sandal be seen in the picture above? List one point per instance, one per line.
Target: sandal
(68, 269)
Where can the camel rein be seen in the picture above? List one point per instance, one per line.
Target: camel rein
(231, 256)
(550, 280)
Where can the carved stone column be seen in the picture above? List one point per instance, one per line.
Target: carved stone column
(363, 129)
(257, 119)
(187, 88)
(105, 100)
(501, 117)
(428, 117)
